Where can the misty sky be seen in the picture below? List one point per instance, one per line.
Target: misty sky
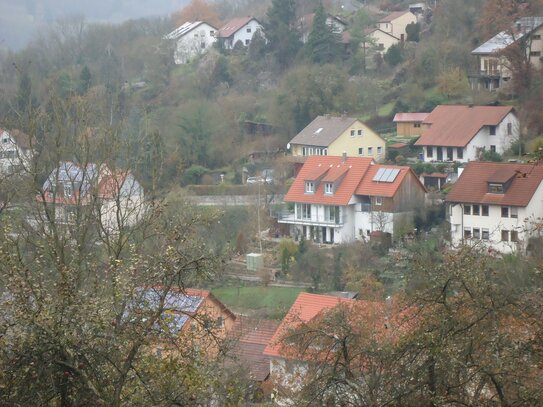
(20, 20)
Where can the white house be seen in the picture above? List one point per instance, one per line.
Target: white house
(395, 24)
(15, 151)
(191, 39)
(379, 39)
(239, 29)
(494, 69)
(497, 205)
(342, 199)
(115, 197)
(463, 133)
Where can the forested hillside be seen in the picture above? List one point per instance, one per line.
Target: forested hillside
(126, 74)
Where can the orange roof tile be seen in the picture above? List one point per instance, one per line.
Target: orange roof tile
(410, 117)
(472, 186)
(233, 26)
(355, 167)
(455, 125)
(306, 307)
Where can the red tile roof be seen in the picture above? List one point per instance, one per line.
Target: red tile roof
(409, 117)
(356, 168)
(392, 16)
(254, 336)
(110, 185)
(357, 173)
(455, 125)
(233, 26)
(369, 187)
(472, 185)
(306, 307)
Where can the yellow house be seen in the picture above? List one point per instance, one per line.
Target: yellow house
(329, 135)
(381, 39)
(395, 23)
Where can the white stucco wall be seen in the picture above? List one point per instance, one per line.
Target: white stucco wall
(12, 157)
(523, 224)
(243, 35)
(194, 43)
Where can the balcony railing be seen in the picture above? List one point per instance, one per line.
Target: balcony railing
(289, 217)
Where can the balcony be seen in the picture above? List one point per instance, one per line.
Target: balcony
(488, 73)
(289, 217)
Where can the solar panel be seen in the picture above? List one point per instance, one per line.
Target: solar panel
(385, 175)
(377, 177)
(392, 176)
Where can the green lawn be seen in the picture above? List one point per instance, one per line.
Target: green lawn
(270, 302)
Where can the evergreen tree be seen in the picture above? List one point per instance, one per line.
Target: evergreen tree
(283, 37)
(394, 55)
(85, 79)
(323, 44)
(24, 92)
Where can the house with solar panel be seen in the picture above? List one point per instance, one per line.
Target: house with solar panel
(191, 39)
(340, 199)
(494, 68)
(190, 317)
(240, 29)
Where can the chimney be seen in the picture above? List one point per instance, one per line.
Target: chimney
(344, 157)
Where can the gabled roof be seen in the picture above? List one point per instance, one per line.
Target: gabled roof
(184, 29)
(254, 336)
(393, 16)
(370, 187)
(456, 125)
(323, 130)
(306, 307)
(523, 26)
(233, 26)
(306, 22)
(472, 185)
(357, 178)
(355, 168)
(410, 117)
(370, 31)
(120, 183)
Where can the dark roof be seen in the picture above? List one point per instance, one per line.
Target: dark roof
(233, 26)
(472, 185)
(323, 130)
(456, 125)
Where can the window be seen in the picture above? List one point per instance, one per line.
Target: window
(331, 214)
(484, 210)
(505, 235)
(379, 150)
(303, 211)
(460, 153)
(485, 234)
(476, 210)
(536, 37)
(380, 46)
(359, 132)
(378, 200)
(467, 233)
(535, 53)
(196, 35)
(324, 151)
(467, 209)
(429, 152)
(495, 188)
(329, 188)
(202, 45)
(248, 29)
(514, 236)
(514, 212)
(370, 150)
(476, 233)
(309, 187)
(212, 33)
(220, 322)
(352, 133)
(247, 42)
(493, 149)
(360, 151)
(68, 190)
(505, 211)
(449, 153)
(492, 130)
(5, 140)
(416, 125)
(509, 129)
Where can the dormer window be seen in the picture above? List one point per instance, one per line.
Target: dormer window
(495, 188)
(328, 188)
(309, 187)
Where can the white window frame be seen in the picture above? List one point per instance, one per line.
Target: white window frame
(378, 200)
(370, 151)
(309, 187)
(379, 150)
(329, 188)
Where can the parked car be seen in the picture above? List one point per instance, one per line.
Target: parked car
(255, 180)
